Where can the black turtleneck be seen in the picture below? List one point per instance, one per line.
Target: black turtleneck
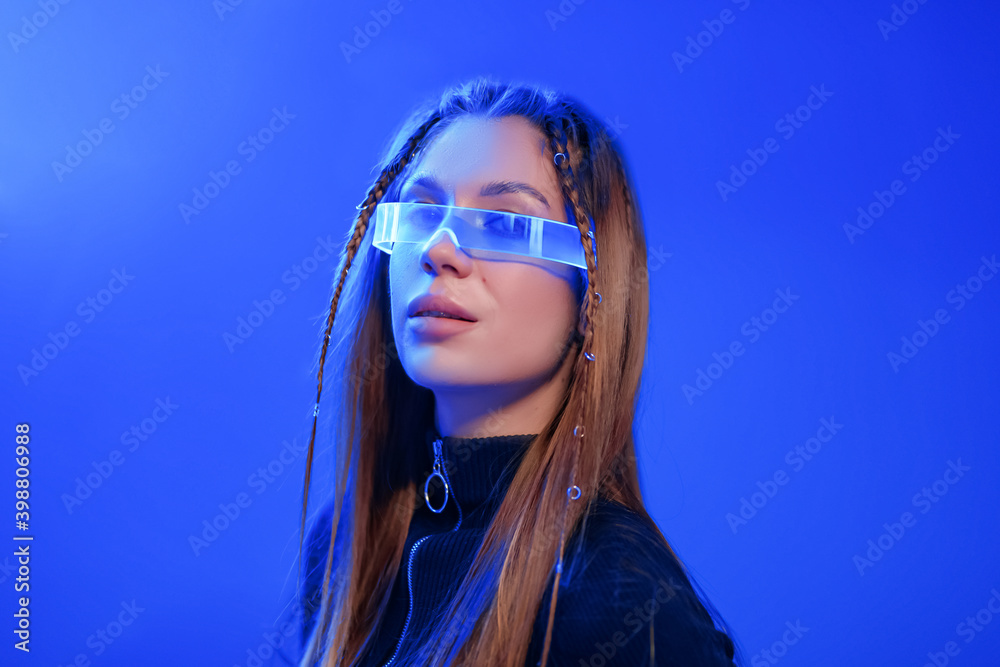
(617, 579)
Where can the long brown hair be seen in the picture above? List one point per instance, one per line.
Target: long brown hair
(585, 451)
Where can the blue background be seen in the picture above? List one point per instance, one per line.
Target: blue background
(683, 127)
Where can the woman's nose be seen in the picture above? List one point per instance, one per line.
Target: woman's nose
(442, 252)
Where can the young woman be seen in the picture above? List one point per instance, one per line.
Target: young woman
(491, 321)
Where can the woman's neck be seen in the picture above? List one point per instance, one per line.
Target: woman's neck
(503, 409)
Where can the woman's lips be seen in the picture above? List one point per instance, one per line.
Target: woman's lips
(438, 303)
(437, 313)
(438, 327)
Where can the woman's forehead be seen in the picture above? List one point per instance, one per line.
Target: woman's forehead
(491, 158)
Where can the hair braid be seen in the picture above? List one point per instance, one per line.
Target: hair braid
(366, 208)
(560, 145)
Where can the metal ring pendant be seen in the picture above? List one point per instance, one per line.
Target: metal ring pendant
(427, 496)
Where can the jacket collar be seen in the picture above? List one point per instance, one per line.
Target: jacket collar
(478, 469)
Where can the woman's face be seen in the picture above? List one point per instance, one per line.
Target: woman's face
(524, 308)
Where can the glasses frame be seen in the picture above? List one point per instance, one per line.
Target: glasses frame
(389, 217)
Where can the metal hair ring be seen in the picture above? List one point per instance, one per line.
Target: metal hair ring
(570, 490)
(557, 160)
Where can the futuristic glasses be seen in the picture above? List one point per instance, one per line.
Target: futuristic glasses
(480, 229)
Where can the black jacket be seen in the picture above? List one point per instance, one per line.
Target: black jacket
(612, 589)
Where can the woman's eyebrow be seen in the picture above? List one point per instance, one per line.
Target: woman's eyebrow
(491, 189)
(504, 187)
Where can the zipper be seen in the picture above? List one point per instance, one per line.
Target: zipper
(439, 470)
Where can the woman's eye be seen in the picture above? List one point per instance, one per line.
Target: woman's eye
(509, 225)
(427, 214)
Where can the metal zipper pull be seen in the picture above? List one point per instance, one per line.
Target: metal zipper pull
(438, 472)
